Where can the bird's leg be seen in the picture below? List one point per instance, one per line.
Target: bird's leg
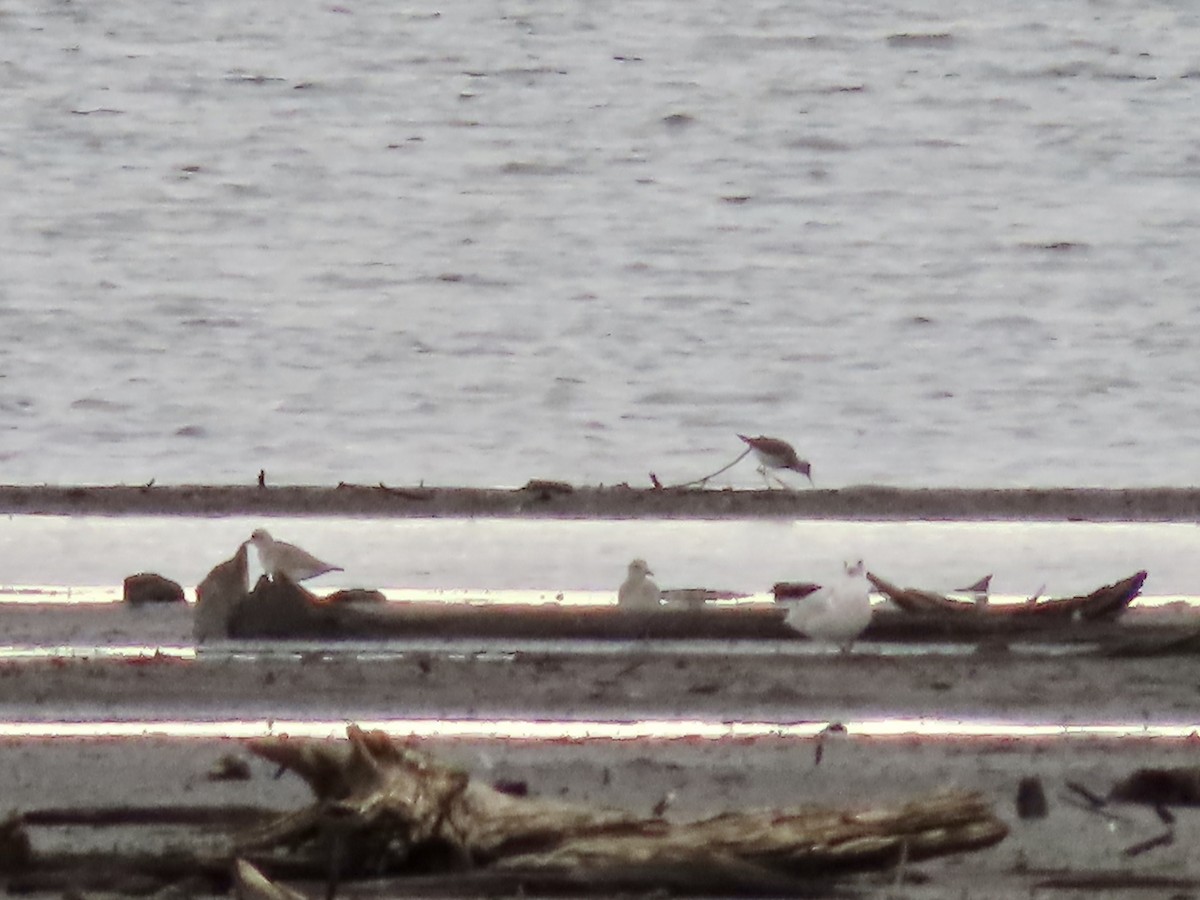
(762, 470)
(786, 486)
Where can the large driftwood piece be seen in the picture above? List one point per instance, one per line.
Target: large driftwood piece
(275, 608)
(218, 595)
(1104, 603)
(395, 808)
(413, 801)
(281, 609)
(387, 811)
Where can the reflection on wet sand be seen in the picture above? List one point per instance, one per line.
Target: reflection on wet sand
(583, 730)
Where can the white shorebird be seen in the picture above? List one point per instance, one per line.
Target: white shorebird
(638, 591)
(837, 613)
(773, 453)
(280, 556)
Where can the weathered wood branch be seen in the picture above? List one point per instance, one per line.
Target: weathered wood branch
(401, 808)
(384, 809)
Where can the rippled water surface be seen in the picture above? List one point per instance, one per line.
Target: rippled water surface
(931, 243)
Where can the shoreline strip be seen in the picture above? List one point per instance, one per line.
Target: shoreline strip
(550, 500)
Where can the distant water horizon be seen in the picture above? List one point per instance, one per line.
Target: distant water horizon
(930, 244)
(741, 556)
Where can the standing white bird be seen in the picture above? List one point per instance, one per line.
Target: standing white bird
(837, 613)
(638, 591)
(280, 556)
(772, 453)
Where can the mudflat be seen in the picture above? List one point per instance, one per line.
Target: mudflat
(549, 499)
(1084, 845)
(1124, 850)
(457, 681)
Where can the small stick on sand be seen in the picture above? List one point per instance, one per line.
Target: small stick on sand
(1161, 840)
(1094, 800)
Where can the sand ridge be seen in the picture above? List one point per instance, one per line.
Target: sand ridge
(552, 499)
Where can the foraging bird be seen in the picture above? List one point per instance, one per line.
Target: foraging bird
(773, 453)
(280, 556)
(837, 613)
(638, 591)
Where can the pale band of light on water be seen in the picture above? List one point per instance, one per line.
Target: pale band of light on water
(452, 558)
(581, 730)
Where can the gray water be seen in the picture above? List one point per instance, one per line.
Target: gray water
(930, 243)
(547, 557)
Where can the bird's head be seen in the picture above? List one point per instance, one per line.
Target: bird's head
(260, 537)
(855, 568)
(639, 567)
(804, 468)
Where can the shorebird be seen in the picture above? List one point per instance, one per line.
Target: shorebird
(638, 591)
(836, 613)
(280, 556)
(773, 453)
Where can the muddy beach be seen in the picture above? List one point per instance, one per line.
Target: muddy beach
(1079, 848)
(1073, 851)
(552, 499)
(455, 681)
(1075, 847)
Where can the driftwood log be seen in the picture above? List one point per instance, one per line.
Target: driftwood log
(387, 815)
(383, 808)
(1176, 786)
(218, 596)
(275, 609)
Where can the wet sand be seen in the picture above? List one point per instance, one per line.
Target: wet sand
(540, 499)
(1070, 846)
(698, 776)
(1059, 855)
(454, 682)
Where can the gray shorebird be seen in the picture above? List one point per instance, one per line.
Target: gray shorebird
(773, 453)
(638, 591)
(280, 556)
(837, 613)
